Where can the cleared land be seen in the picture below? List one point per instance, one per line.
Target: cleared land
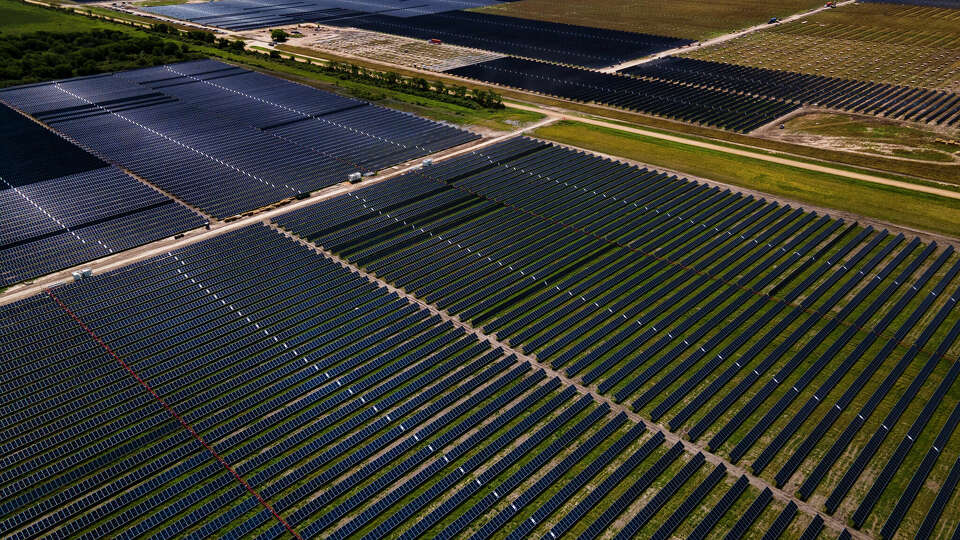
(871, 135)
(909, 45)
(690, 19)
(382, 47)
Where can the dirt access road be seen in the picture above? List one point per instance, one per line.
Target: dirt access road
(745, 153)
(119, 260)
(714, 41)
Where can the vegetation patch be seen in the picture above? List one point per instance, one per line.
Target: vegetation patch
(41, 56)
(872, 135)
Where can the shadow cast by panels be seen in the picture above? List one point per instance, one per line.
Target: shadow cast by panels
(57, 213)
(21, 162)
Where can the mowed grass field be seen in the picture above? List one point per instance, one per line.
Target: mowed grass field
(890, 204)
(18, 18)
(690, 19)
(910, 45)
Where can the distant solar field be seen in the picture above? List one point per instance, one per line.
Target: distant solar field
(954, 4)
(579, 45)
(226, 139)
(820, 354)
(247, 14)
(61, 206)
(555, 42)
(887, 100)
(702, 105)
(909, 45)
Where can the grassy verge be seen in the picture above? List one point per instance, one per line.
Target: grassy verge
(945, 176)
(886, 203)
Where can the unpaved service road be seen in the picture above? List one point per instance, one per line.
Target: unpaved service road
(746, 153)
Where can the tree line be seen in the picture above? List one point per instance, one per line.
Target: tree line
(461, 95)
(41, 56)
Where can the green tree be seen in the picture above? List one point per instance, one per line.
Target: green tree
(279, 35)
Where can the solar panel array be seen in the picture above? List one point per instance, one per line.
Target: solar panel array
(437, 19)
(556, 42)
(27, 147)
(248, 14)
(908, 103)
(247, 385)
(63, 211)
(818, 353)
(700, 105)
(932, 3)
(226, 139)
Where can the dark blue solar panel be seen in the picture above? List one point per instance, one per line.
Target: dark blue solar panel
(57, 212)
(246, 14)
(228, 140)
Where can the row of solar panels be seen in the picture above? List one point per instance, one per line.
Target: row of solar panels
(908, 103)
(60, 212)
(248, 14)
(346, 408)
(555, 42)
(682, 299)
(226, 139)
(738, 112)
(931, 3)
